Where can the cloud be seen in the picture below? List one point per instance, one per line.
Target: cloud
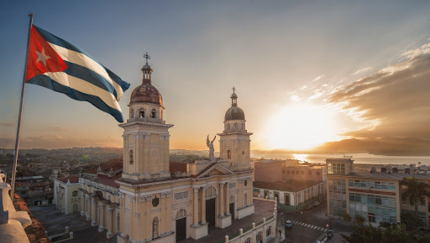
(424, 49)
(6, 142)
(7, 124)
(362, 70)
(318, 78)
(295, 98)
(394, 101)
(56, 141)
(56, 129)
(317, 93)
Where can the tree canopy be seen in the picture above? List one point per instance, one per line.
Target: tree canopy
(363, 233)
(416, 191)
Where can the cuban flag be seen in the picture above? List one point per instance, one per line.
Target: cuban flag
(58, 65)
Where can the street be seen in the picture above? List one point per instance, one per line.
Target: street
(307, 227)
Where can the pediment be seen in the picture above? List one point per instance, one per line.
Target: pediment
(215, 170)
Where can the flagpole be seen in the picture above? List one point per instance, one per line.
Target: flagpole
(18, 129)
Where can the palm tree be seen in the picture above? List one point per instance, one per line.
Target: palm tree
(417, 191)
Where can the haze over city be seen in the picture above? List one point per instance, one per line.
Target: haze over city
(305, 73)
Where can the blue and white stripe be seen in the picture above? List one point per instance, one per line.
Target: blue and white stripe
(85, 79)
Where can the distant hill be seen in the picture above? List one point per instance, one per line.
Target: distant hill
(383, 146)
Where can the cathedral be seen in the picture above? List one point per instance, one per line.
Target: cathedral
(147, 198)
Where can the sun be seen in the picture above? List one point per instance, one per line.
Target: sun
(301, 127)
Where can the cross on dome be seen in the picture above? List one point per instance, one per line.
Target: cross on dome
(147, 57)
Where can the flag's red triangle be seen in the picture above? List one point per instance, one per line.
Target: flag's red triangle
(41, 57)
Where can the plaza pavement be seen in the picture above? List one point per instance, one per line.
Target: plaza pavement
(53, 219)
(263, 209)
(83, 232)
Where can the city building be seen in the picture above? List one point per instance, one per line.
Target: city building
(35, 190)
(152, 199)
(291, 183)
(306, 172)
(66, 194)
(376, 196)
(290, 194)
(267, 170)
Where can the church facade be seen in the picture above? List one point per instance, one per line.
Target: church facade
(155, 200)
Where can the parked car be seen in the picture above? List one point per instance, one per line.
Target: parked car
(317, 203)
(288, 224)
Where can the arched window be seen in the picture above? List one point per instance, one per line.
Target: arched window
(243, 126)
(259, 237)
(75, 193)
(155, 227)
(269, 231)
(248, 240)
(228, 126)
(228, 154)
(131, 113)
(245, 199)
(153, 113)
(235, 126)
(181, 214)
(141, 113)
(131, 157)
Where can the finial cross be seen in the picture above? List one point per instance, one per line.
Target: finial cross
(147, 57)
(234, 89)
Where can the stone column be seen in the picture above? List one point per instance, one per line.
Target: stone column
(101, 218)
(82, 203)
(196, 207)
(227, 198)
(148, 234)
(88, 207)
(163, 201)
(203, 205)
(221, 199)
(94, 211)
(109, 222)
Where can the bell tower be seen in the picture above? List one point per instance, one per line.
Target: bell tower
(235, 139)
(146, 136)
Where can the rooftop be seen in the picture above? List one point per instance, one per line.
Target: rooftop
(72, 178)
(385, 176)
(289, 186)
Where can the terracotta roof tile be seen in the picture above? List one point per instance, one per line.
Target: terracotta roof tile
(177, 167)
(109, 181)
(35, 232)
(72, 178)
(115, 164)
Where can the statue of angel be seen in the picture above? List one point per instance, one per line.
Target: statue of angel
(211, 147)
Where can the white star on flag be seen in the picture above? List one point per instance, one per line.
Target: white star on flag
(41, 56)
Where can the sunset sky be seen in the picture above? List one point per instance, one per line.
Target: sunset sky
(305, 72)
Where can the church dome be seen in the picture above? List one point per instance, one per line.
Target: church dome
(234, 112)
(146, 92)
